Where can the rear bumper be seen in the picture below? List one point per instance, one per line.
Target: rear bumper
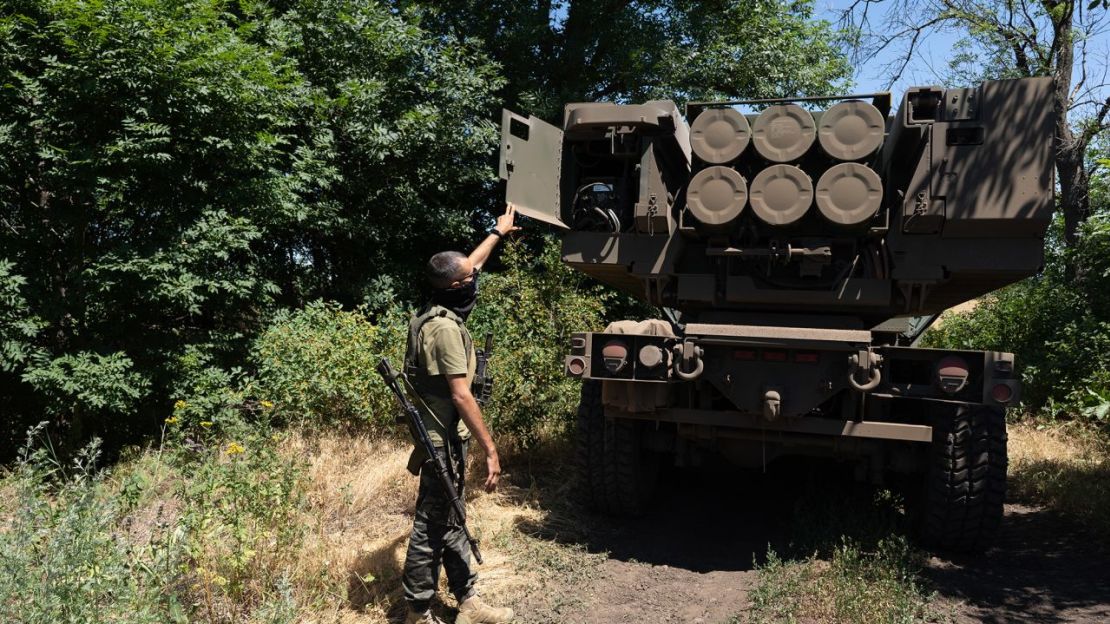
(804, 425)
(770, 373)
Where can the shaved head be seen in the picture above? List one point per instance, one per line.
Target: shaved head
(447, 267)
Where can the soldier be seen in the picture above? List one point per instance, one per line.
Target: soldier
(440, 362)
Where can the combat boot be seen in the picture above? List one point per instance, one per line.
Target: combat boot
(474, 611)
(427, 617)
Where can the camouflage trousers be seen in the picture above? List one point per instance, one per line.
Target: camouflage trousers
(437, 538)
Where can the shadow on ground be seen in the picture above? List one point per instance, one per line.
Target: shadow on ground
(706, 519)
(1043, 568)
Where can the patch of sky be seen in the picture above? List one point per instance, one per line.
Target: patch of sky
(945, 55)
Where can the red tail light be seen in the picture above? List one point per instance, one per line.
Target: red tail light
(1002, 393)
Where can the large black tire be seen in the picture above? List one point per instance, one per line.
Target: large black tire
(618, 476)
(966, 481)
(590, 445)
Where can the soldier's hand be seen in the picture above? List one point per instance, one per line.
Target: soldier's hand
(506, 223)
(493, 471)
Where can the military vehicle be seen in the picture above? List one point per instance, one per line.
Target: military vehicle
(796, 249)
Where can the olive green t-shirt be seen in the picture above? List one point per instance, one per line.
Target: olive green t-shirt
(441, 351)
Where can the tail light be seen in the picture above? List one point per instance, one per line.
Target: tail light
(615, 356)
(951, 374)
(1002, 393)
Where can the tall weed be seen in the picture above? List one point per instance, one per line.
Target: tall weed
(241, 499)
(63, 557)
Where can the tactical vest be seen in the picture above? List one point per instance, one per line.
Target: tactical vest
(415, 369)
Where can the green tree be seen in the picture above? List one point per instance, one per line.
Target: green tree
(623, 50)
(171, 170)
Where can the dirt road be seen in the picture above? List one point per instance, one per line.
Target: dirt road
(692, 559)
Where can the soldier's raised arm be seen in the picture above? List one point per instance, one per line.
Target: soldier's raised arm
(505, 225)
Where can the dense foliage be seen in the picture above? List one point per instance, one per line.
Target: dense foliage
(316, 366)
(532, 309)
(584, 50)
(172, 173)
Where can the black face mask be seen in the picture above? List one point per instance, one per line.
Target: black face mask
(459, 300)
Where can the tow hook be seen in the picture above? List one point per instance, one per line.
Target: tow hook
(688, 364)
(772, 404)
(865, 365)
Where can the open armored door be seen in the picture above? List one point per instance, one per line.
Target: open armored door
(531, 158)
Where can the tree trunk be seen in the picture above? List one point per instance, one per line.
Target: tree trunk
(1070, 149)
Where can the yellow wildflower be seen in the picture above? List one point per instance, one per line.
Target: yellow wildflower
(206, 423)
(180, 405)
(171, 420)
(235, 448)
(266, 404)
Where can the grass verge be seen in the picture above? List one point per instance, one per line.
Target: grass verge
(850, 561)
(1063, 466)
(278, 527)
(854, 584)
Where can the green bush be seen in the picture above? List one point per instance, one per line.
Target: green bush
(1057, 323)
(531, 309)
(209, 398)
(63, 557)
(317, 364)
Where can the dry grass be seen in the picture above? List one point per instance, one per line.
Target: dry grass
(955, 310)
(1062, 466)
(358, 518)
(9, 501)
(335, 547)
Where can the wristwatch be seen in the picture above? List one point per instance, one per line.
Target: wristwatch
(496, 233)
